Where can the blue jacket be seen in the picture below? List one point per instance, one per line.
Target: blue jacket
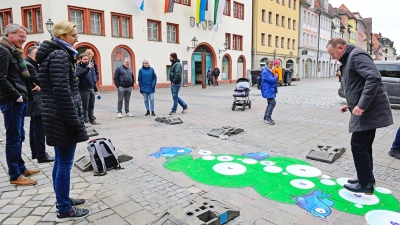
(147, 80)
(268, 89)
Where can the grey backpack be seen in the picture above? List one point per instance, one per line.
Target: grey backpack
(103, 156)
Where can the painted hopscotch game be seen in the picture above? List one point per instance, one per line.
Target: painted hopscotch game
(282, 179)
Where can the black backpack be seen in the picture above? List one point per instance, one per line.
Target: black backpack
(103, 156)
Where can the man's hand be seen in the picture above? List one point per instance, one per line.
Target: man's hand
(90, 65)
(36, 88)
(357, 111)
(343, 108)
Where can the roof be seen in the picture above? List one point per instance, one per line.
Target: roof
(317, 5)
(343, 9)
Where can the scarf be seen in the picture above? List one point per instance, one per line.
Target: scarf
(17, 53)
(74, 52)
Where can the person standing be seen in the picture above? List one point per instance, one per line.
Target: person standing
(86, 84)
(368, 104)
(268, 90)
(175, 76)
(147, 80)
(395, 150)
(37, 139)
(63, 120)
(124, 81)
(210, 76)
(13, 101)
(216, 73)
(95, 75)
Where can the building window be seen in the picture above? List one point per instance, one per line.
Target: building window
(269, 40)
(289, 23)
(119, 55)
(294, 4)
(290, 3)
(277, 19)
(294, 24)
(288, 43)
(316, 21)
(263, 15)
(121, 25)
(276, 41)
(304, 38)
(5, 19)
(183, 2)
(238, 10)
(172, 33)
(282, 42)
(227, 10)
(235, 9)
(32, 18)
(283, 21)
(308, 18)
(241, 11)
(270, 17)
(228, 40)
(263, 39)
(237, 41)
(283, 2)
(293, 44)
(88, 21)
(277, 1)
(153, 30)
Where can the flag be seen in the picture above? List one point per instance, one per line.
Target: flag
(219, 11)
(169, 6)
(140, 4)
(201, 10)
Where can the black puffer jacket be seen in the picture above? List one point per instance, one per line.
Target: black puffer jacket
(62, 105)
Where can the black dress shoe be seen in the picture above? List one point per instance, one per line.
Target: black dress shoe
(354, 181)
(45, 159)
(367, 189)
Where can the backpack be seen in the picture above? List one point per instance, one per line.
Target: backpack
(103, 156)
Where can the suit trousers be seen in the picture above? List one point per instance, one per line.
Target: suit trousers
(361, 147)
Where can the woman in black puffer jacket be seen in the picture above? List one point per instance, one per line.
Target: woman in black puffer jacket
(62, 112)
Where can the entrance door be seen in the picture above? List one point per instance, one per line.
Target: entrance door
(240, 68)
(308, 68)
(199, 71)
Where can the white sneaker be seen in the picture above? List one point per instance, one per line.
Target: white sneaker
(119, 115)
(129, 114)
(185, 109)
(87, 124)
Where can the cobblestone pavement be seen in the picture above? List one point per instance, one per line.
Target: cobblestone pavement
(307, 114)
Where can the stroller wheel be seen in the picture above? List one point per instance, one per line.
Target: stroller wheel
(244, 107)
(249, 104)
(233, 107)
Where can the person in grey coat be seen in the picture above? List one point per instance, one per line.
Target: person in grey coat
(368, 104)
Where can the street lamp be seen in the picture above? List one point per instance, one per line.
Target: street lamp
(225, 47)
(194, 43)
(49, 27)
(291, 54)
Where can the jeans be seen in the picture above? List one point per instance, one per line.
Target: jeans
(37, 137)
(396, 142)
(88, 99)
(64, 159)
(361, 147)
(216, 80)
(148, 97)
(210, 81)
(124, 94)
(175, 91)
(270, 108)
(14, 113)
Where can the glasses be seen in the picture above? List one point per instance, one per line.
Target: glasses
(75, 36)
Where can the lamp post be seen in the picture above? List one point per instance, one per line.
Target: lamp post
(49, 27)
(225, 47)
(194, 43)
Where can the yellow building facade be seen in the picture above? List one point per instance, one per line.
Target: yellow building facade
(275, 32)
(352, 25)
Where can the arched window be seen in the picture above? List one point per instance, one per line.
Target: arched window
(226, 61)
(119, 54)
(289, 64)
(262, 62)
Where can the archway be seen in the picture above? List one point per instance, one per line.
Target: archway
(203, 57)
(289, 64)
(226, 71)
(308, 69)
(241, 67)
(263, 61)
(81, 48)
(117, 57)
(28, 45)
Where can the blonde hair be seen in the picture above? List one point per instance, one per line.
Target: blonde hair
(63, 27)
(89, 51)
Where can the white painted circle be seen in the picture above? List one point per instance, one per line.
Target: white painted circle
(302, 184)
(180, 150)
(249, 161)
(358, 206)
(208, 157)
(325, 176)
(239, 159)
(383, 190)
(272, 169)
(225, 158)
(342, 181)
(358, 198)
(267, 163)
(284, 173)
(229, 168)
(303, 171)
(320, 210)
(205, 152)
(382, 217)
(328, 182)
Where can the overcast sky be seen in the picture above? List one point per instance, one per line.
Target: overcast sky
(384, 13)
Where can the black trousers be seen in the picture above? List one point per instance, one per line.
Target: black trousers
(37, 137)
(361, 147)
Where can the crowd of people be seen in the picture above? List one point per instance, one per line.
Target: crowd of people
(59, 96)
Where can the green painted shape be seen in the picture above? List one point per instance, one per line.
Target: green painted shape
(274, 186)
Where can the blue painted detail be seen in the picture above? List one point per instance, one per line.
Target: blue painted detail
(171, 151)
(223, 218)
(257, 155)
(197, 56)
(316, 204)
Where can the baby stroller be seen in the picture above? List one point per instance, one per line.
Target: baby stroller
(241, 94)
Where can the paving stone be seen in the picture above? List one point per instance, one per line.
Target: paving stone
(49, 202)
(32, 204)
(41, 211)
(276, 217)
(22, 212)
(93, 187)
(49, 217)
(96, 216)
(46, 190)
(113, 219)
(251, 213)
(3, 216)
(12, 221)
(87, 194)
(141, 218)
(21, 200)
(4, 202)
(29, 192)
(127, 208)
(41, 197)
(80, 185)
(11, 194)
(30, 220)
(9, 208)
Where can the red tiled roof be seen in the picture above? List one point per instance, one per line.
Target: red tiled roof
(317, 5)
(346, 10)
